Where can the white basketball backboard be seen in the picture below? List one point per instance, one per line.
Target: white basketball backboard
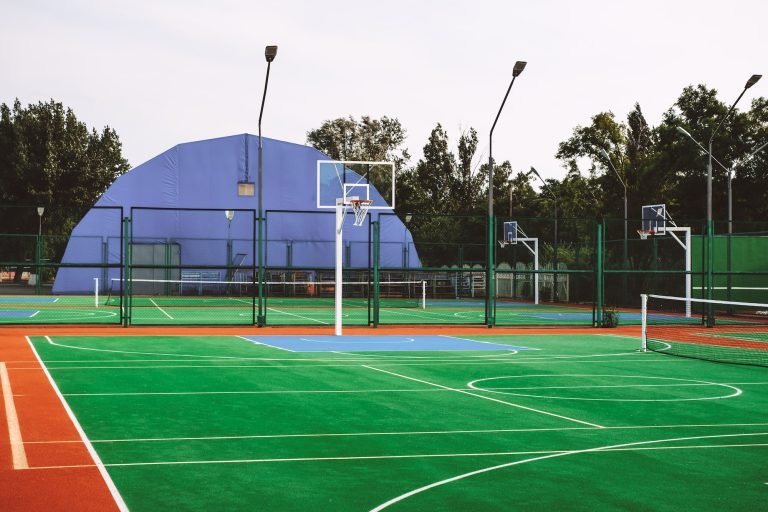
(337, 179)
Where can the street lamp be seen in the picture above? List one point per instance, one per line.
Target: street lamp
(554, 279)
(626, 241)
(40, 211)
(730, 171)
(229, 214)
(710, 228)
(39, 248)
(270, 52)
(490, 300)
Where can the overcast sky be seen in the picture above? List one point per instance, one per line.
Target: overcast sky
(165, 72)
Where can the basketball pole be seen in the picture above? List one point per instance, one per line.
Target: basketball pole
(340, 207)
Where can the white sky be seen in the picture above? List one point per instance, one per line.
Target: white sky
(164, 72)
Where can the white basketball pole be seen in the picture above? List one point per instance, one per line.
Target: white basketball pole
(687, 248)
(340, 210)
(536, 268)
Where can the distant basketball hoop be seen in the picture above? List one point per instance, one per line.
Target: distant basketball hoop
(645, 233)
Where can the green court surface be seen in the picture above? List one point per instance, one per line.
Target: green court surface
(557, 422)
(42, 309)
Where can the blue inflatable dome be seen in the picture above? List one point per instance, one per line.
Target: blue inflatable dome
(167, 198)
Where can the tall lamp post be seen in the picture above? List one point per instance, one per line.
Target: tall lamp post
(490, 301)
(730, 171)
(710, 227)
(269, 53)
(625, 250)
(39, 249)
(555, 295)
(229, 214)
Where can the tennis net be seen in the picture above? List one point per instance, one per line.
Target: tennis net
(213, 293)
(713, 330)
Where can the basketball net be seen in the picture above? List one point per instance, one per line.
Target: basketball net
(645, 233)
(360, 207)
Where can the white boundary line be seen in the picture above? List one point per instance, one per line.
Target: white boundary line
(406, 433)
(161, 309)
(201, 357)
(91, 450)
(549, 456)
(485, 397)
(343, 363)
(262, 343)
(687, 382)
(546, 454)
(282, 312)
(18, 454)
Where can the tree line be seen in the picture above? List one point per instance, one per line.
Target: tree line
(50, 158)
(658, 164)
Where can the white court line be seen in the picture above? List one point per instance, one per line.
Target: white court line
(546, 454)
(407, 433)
(352, 362)
(263, 392)
(18, 454)
(161, 309)
(297, 316)
(202, 357)
(364, 391)
(255, 342)
(485, 397)
(495, 343)
(550, 456)
(91, 450)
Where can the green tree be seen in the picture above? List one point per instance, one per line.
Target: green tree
(699, 111)
(444, 182)
(368, 139)
(48, 158)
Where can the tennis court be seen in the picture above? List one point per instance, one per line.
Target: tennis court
(453, 419)
(201, 310)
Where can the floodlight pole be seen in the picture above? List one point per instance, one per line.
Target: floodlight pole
(39, 249)
(269, 54)
(626, 238)
(729, 171)
(490, 300)
(710, 322)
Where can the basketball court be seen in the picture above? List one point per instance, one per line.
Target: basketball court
(205, 419)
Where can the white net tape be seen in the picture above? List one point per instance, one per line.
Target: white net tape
(360, 207)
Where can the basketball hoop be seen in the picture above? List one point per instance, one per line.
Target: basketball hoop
(360, 207)
(645, 233)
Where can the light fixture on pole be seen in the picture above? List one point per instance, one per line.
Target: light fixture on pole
(710, 227)
(229, 214)
(40, 211)
(625, 255)
(270, 52)
(729, 172)
(39, 248)
(490, 310)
